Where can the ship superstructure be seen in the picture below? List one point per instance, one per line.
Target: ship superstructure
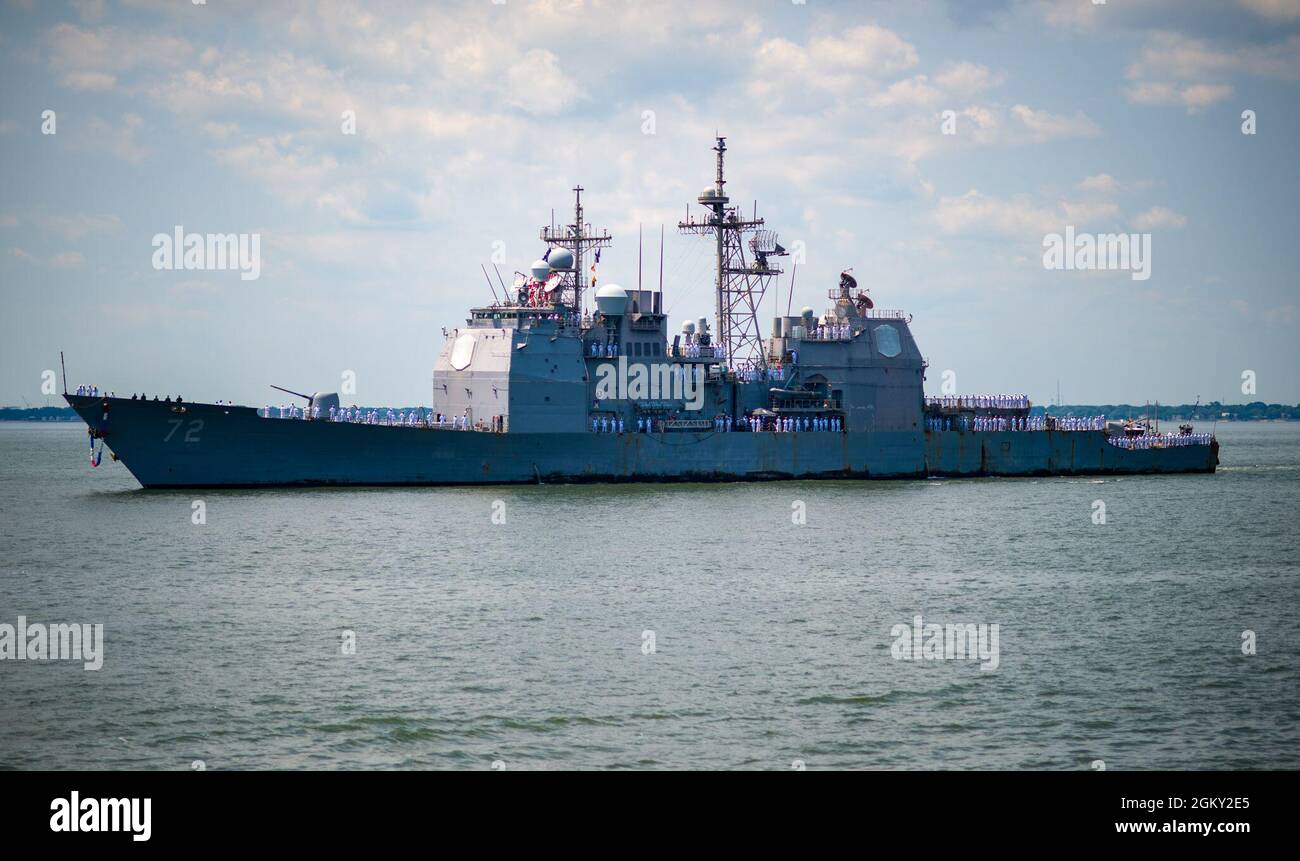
(536, 363)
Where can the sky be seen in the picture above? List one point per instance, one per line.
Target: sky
(381, 153)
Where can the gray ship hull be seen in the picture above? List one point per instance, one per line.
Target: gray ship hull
(168, 445)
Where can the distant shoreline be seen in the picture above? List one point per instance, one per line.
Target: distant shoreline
(1252, 412)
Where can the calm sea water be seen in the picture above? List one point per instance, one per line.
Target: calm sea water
(524, 643)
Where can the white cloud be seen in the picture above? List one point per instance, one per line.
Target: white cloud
(1157, 217)
(93, 81)
(74, 227)
(1102, 182)
(537, 85)
(871, 49)
(1072, 13)
(996, 125)
(67, 260)
(1045, 126)
(292, 168)
(828, 66)
(1079, 214)
(1274, 10)
(1200, 96)
(1189, 58)
(1195, 97)
(62, 260)
(72, 49)
(966, 79)
(220, 131)
(911, 92)
(1019, 217)
(1176, 69)
(1283, 315)
(118, 139)
(974, 212)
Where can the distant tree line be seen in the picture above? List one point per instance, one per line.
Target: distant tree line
(37, 414)
(1214, 410)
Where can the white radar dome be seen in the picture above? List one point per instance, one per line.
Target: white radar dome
(540, 269)
(561, 258)
(611, 300)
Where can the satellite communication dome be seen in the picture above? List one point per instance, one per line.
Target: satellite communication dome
(540, 269)
(561, 258)
(806, 312)
(688, 327)
(611, 300)
(711, 195)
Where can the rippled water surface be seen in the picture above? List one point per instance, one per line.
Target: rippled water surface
(523, 642)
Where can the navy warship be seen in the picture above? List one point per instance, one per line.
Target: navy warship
(537, 387)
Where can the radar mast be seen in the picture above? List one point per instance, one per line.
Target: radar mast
(576, 237)
(742, 270)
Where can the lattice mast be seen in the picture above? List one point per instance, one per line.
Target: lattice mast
(741, 278)
(576, 237)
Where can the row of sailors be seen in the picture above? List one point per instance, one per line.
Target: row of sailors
(997, 402)
(611, 424)
(399, 418)
(290, 411)
(838, 332)
(798, 424)
(775, 373)
(389, 418)
(608, 349)
(1013, 423)
(726, 424)
(93, 392)
(695, 351)
(1160, 440)
(1079, 423)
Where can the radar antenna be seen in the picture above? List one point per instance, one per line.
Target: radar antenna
(848, 294)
